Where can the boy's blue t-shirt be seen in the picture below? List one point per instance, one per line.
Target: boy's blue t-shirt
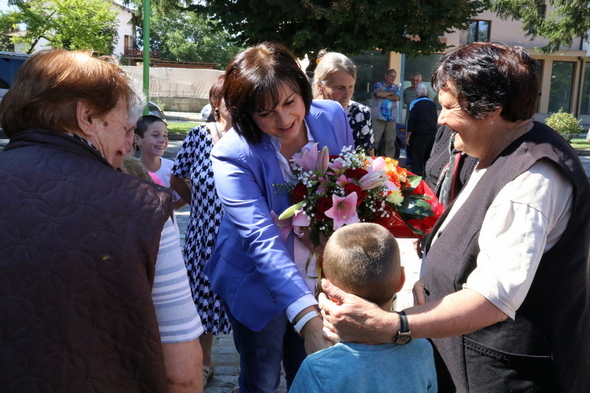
(358, 368)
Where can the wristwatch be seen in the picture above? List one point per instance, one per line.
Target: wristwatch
(404, 335)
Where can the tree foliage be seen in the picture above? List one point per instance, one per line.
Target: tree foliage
(69, 24)
(348, 26)
(190, 36)
(351, 26)
(567, 19)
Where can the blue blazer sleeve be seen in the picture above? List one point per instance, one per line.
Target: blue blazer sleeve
(251, 268)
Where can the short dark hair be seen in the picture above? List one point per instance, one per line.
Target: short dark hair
(485, 76)
(363, 259)
(216, 95)
(144, 122)
(253, 80)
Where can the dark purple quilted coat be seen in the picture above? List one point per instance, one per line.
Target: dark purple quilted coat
(78, 244)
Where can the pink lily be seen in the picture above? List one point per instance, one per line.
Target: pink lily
(307, 158)
(323, 161)
(372, 180)
(285, 226)
(378, 164)
(342, 180)
(343, 210)
(336, 166)
(391, 186)
(300, 219)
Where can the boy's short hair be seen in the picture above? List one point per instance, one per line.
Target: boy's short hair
(144, 122)
(364, 259)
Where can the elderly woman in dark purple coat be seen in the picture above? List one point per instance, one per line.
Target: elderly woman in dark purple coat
(78, 238)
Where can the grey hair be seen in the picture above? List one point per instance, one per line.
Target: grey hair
(330, 63)
(421, 90)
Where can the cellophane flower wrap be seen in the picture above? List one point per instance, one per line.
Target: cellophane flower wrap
(332, 191)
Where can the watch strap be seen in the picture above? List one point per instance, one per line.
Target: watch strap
(403, 335)
(403, 320)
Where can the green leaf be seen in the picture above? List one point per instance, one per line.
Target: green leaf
(414, 180)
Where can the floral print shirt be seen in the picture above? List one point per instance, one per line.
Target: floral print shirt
(359, 117)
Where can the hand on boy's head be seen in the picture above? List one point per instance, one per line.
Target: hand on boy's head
(348, 317)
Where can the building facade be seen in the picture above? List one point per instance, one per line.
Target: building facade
(565, 75)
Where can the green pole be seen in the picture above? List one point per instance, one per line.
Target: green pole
(146, 52)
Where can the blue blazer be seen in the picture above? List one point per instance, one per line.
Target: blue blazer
(251, 268)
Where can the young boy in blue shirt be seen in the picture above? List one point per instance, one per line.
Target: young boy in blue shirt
(364, 259)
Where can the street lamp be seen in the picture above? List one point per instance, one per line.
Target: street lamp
(146, 53)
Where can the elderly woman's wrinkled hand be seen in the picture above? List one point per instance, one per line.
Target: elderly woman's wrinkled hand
(350, 318)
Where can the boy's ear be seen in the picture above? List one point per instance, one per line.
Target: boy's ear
(402, 280)
(136, 139)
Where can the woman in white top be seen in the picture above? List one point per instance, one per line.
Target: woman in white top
(505, 287)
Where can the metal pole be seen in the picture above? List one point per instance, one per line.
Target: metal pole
(146, 52)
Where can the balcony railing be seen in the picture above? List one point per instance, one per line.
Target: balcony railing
(137, 53)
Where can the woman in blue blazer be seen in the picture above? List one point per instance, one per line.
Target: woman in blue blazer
(253, 270)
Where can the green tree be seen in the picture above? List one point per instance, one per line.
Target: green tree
(69, 24)
(7, 25)
(567, 19)
(349, 26)
(189, 36)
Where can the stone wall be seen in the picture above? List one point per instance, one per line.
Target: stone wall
(178, 89)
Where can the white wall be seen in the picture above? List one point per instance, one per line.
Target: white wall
(124, 28)
(179, 89)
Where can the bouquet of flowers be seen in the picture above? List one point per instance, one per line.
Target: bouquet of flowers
(332, 191)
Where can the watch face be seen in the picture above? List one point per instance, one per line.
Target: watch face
(403, 338)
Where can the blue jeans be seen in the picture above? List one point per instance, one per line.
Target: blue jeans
(261, 354)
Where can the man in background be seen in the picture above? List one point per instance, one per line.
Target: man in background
(386, 94)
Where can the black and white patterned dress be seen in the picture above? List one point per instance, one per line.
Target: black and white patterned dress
(359, 117)
(193, 162)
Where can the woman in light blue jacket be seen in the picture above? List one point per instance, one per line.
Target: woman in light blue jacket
(260, 277)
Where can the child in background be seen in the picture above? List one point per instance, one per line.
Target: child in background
(364, 259)
(151, 138)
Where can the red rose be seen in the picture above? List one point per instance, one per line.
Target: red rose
(360, 194)
(323, 204)
(356, 173)
(298, 193)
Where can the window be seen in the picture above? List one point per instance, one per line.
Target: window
(370, 67)
(542, 12)
(478, 31)
(560, 93)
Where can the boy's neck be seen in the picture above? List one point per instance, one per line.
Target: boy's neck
(387, 306)
(151, 163)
